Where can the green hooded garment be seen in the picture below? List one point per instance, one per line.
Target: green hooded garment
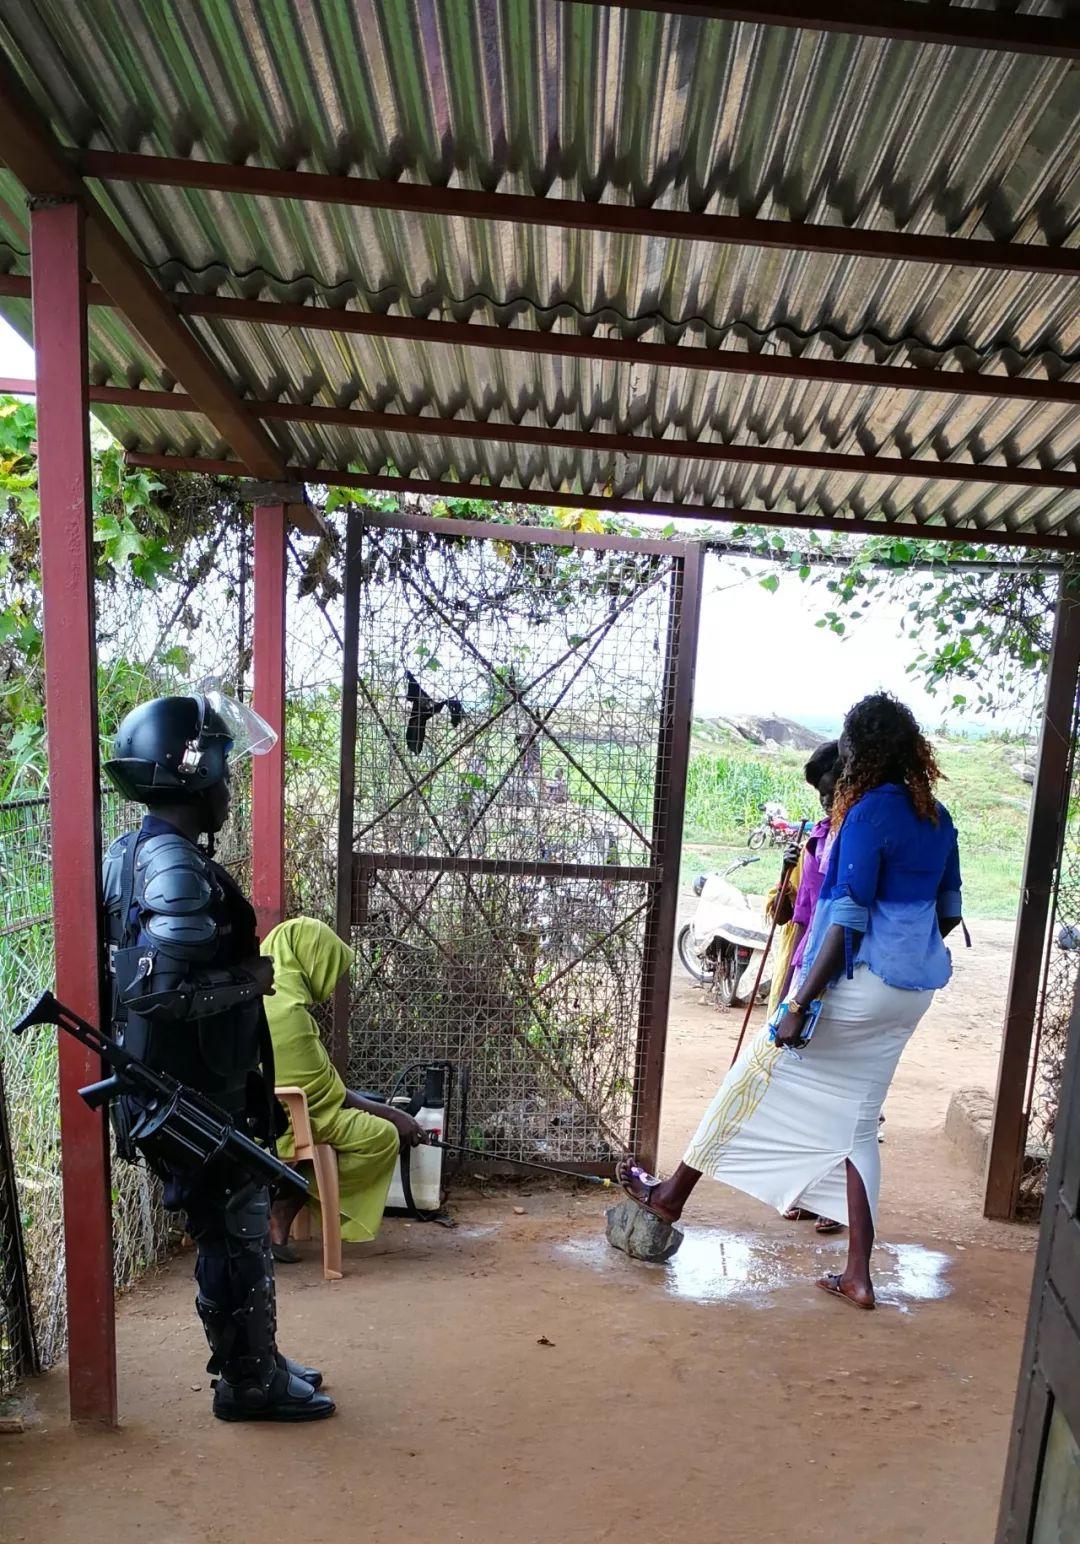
(309, 961)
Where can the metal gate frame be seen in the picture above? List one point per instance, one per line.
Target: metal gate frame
(673, 754)
(1032, 945)
(1050, 1364)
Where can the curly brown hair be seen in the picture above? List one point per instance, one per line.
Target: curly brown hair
(882, 743)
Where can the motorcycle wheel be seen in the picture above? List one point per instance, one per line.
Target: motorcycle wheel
(726, 978)
(687, 955)
(755, 840)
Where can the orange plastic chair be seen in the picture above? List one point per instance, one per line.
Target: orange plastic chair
(324, 1159)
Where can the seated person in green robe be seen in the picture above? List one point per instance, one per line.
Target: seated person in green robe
(309, 961)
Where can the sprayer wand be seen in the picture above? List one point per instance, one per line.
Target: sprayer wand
(785, 874)
(430, 1140)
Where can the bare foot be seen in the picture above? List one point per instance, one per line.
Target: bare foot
(858, 1294)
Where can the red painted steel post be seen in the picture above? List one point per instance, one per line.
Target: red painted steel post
(669, 807)
(268, 773)
(59, 275)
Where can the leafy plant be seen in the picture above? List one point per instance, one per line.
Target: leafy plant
(980, 620)
(147, 532)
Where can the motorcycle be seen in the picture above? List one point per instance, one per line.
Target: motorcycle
(774, 827)
(724, 941)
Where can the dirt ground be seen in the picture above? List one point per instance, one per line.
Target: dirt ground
(515, 1381)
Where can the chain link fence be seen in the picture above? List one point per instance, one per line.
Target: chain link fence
(30, 1073)
(314, 631)
(18, 1343)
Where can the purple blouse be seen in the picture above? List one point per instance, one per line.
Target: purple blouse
(813, 877)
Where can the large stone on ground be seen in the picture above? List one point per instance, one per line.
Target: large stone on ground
(968, 1123)
(641, 1234)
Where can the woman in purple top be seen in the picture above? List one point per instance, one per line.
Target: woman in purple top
(822, 770)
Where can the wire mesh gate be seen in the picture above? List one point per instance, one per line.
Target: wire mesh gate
(516, 716)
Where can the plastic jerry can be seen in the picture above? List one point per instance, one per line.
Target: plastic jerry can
(425, 1163)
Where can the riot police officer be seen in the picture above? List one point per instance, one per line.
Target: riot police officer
(188, 989)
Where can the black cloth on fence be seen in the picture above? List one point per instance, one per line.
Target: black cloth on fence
(422, 708)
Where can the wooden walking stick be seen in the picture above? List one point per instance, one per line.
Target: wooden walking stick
(785, 874)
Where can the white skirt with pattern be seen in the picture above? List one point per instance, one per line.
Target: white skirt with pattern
(781, 1129)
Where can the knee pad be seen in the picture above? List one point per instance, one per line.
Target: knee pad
(247, 1217)
(220, 1328)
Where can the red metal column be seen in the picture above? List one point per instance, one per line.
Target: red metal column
(268, 773)
(673, 759)
(59, 276)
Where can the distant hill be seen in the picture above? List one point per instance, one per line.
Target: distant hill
(768, 732)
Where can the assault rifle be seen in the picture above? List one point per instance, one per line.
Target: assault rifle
(174, 1127)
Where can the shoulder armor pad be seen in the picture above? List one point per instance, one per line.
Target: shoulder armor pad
(173, 878)
(112, 870)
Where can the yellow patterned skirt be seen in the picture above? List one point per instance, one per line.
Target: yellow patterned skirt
(781, 1129)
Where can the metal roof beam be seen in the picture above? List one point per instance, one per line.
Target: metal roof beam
(31, 152)
(549, 498)
(620, 350)
(997, 31)
(492, 432)
(520, 340)
(574, 214)
(679, 449)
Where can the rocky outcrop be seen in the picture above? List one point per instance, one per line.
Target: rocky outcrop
(772, 732)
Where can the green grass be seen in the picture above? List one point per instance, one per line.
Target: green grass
(725, 792)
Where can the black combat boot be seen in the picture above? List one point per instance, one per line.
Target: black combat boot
(310, 1375)
(252, 1390)
(255, 1383)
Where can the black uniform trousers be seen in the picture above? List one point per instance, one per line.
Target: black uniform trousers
(228, 1217)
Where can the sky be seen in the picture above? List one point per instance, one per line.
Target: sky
(759, 653)
(763, 653)
(16, 357)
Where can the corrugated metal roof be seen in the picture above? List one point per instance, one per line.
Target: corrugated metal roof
(587, 102)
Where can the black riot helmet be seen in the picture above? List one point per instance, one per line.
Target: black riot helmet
(174, 750)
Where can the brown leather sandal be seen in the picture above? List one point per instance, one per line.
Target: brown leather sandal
(830, 1283)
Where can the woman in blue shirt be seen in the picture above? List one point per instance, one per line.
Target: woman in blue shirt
(801, 1130)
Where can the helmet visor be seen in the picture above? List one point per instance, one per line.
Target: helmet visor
(249, 732)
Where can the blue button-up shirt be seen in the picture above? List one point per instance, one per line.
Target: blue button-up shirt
(891, 875)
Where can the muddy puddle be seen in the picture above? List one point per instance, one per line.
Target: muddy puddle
(718, 1265)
